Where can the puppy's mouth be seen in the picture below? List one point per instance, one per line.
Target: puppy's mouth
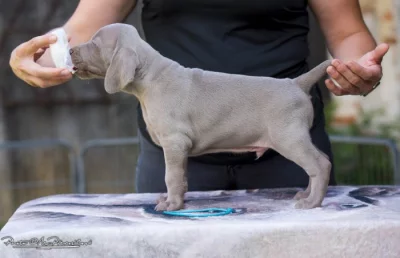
(78, 64)
(79, 71)
(81, 68)
(85, 74)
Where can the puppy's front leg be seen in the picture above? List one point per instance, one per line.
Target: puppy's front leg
(175, 179)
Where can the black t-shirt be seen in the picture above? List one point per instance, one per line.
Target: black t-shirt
(250, 37)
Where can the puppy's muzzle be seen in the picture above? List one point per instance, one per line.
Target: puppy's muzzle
(76, 60)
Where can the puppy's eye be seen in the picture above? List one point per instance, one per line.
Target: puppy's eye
(71, 51)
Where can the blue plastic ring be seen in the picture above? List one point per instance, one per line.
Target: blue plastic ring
(210, 212)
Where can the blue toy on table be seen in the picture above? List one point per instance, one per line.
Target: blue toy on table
(210, 212)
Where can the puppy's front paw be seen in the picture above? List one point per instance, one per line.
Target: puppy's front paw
(301, 195)
(161, 206)
(164, 205)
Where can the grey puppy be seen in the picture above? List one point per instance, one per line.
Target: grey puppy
(190, 112)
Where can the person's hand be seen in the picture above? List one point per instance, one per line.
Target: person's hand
(357, 77)
(42, 73)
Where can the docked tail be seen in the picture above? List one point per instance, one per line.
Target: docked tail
(307, 80)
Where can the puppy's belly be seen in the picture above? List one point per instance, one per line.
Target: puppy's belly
(258, 150)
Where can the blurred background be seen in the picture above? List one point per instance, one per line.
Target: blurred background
(78, 138)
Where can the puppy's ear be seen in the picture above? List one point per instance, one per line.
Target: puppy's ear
(121, 71)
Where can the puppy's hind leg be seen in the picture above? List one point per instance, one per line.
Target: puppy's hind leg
(294, 143)
(304, 194)
(176, 156)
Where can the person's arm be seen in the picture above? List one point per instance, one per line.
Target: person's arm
(32, 63)
(91, 15)
(357, 58)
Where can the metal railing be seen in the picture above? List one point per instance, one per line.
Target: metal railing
(390, 144)
(98, 143)
(46, 143)
(77, 160)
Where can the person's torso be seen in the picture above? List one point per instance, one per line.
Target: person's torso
(252, 37)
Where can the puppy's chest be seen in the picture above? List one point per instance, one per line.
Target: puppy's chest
(151, 124)
(159, 121)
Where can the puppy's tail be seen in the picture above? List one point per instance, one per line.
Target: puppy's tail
(307, 80)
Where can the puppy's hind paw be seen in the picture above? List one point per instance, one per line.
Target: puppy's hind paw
(305, 204)
(301, 195)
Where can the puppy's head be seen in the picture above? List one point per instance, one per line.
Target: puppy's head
(109, 54)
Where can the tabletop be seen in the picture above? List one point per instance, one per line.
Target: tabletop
(354, 221)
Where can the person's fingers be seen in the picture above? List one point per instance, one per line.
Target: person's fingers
(379, 52)
(38, 54)
(334, 89)
(28, 81)
(30, 47)
(40, 83)
(44, 73)
(42, 50)
(45, 47)
(342, 81)
(360, 71)
(370, 74)
(19, 73)
(353, 78)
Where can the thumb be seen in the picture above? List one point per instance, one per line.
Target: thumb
(378, 53)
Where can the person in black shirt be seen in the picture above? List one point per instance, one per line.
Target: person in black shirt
(258, 38)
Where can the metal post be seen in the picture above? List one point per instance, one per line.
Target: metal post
(98, 143)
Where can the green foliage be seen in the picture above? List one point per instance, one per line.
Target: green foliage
(362, 164)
